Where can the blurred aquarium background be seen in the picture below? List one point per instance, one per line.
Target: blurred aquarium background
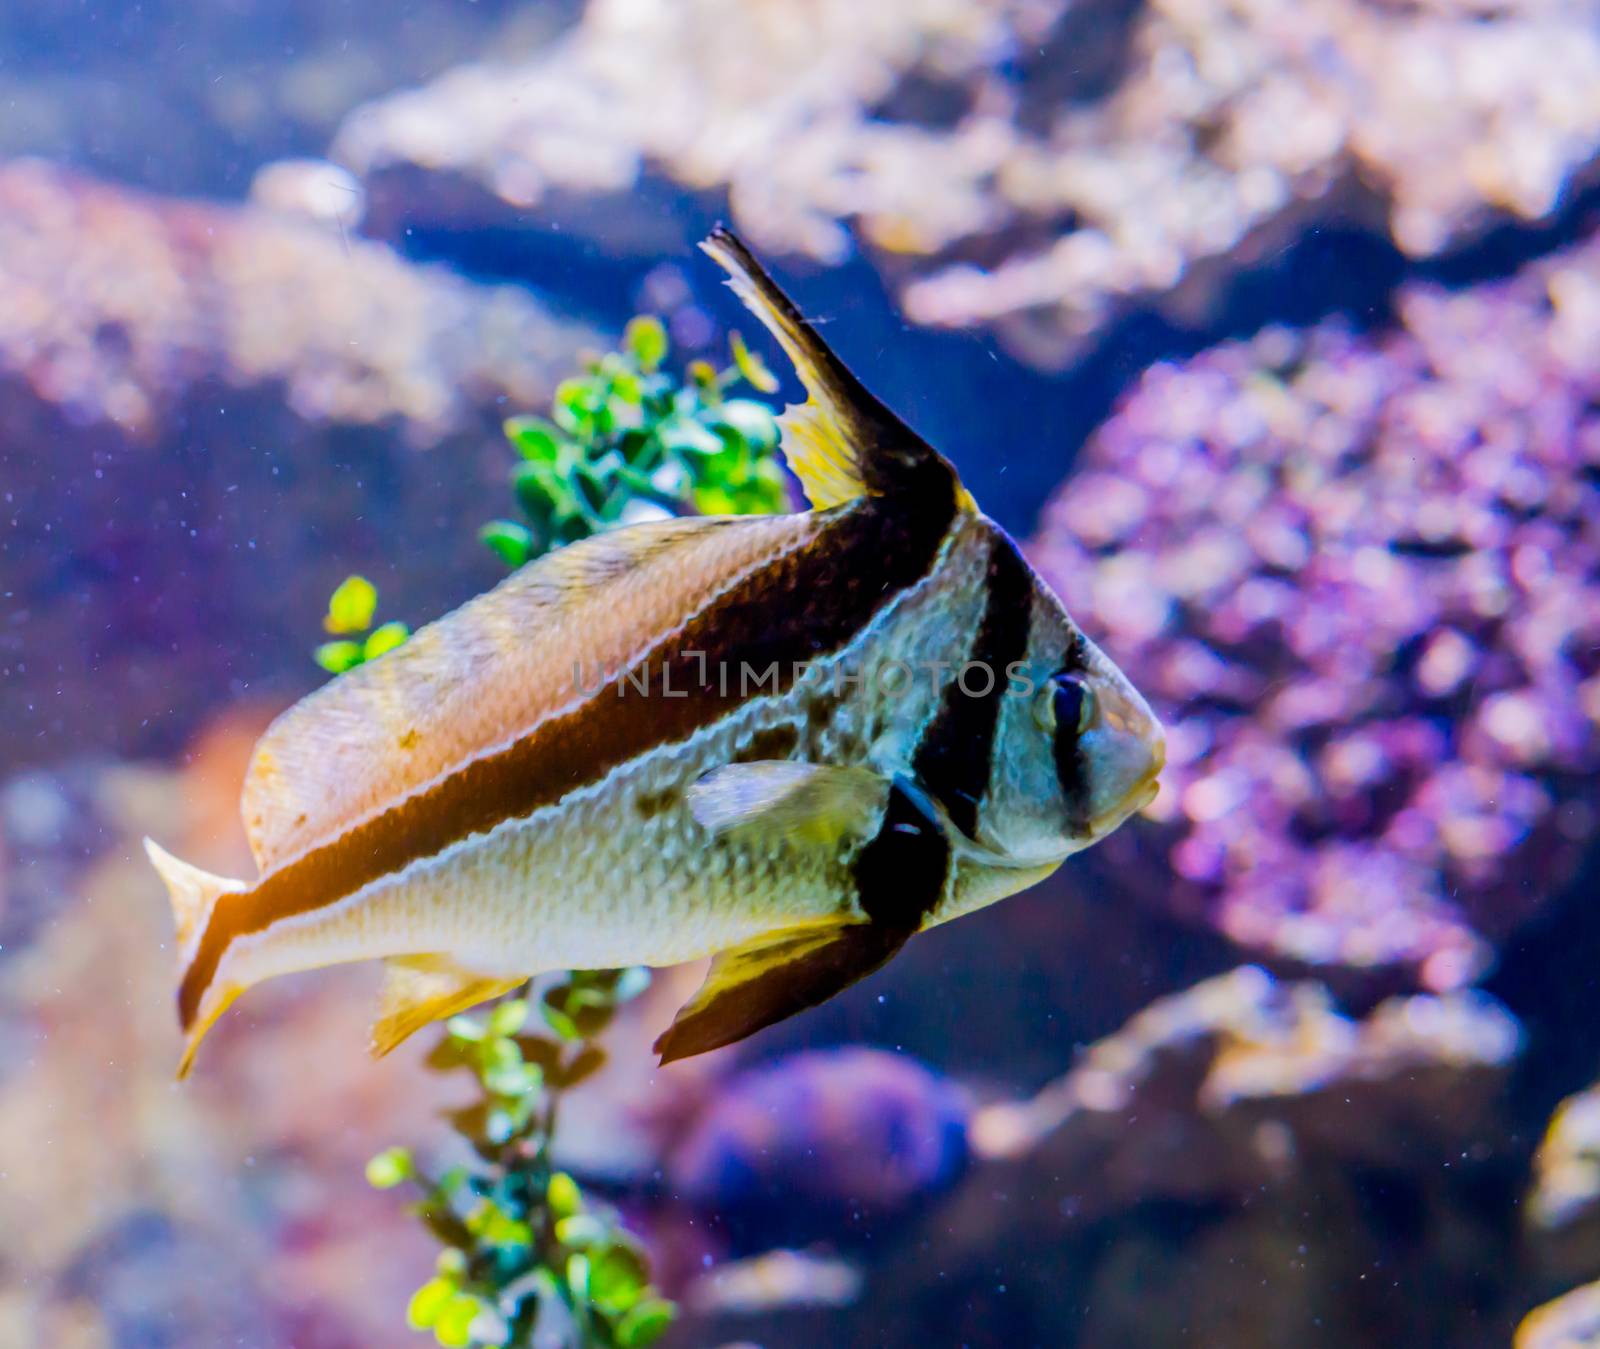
(1271, 327)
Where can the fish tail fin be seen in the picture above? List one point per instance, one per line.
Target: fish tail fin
(193, 894)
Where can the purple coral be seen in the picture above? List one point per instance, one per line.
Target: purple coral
(1360, 579)
(839, 1131)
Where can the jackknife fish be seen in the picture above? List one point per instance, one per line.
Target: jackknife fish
(788, 742)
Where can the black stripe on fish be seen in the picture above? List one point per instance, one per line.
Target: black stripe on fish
(901, 876)
(795, 609)
(1072, 767)
(902, 873)
(956, 755)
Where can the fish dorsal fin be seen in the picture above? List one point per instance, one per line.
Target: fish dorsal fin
(418, 990)
(804, 803)
(768, 980)
(490, 671)
(842, 443)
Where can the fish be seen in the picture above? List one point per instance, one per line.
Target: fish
(790, 743)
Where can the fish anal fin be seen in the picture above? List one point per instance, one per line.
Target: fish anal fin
(421, 989)
(842, 443)
(756, 985)
(802, 802)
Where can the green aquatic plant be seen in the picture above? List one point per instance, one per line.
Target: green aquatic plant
(351, 609)
(626, 439)
(526, 1252)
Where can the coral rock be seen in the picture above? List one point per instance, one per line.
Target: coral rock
(1357, 578)
(1570, 1322)
(1033, 165)
(207, 416)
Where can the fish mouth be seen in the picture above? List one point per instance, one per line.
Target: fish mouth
(1136, 800)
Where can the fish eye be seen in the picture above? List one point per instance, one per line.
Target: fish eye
(1072, 702)
(1065, 703)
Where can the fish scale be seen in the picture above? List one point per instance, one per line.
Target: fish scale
(651, 886)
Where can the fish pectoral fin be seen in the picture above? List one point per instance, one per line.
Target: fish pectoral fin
(756, 985)
(842, 443)
(805, 803)
(420, 989)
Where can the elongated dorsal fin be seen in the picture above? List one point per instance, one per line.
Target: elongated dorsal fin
(770, 979)
(843, 442)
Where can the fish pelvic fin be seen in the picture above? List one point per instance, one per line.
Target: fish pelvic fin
(418, 990)
(753, 986)
(193, 894)
(842, 443)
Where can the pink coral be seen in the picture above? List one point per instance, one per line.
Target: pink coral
(1360, 576)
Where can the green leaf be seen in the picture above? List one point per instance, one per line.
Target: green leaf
(589, 1060)
(383, 639)
(645, 338)
(639, 448)
(539, 491)
(542, 1050)
(558, 1021)
(563, 1195)
(578, 1275)
(498, 1126)
(512, 1079)
(337, 657)
(471, 1121)
(352, 605)
(499, 1228)
(714, 499)
(684, 436)
(452, 1180)
(581, 1229)
(453, 1326)
(428, 1301)
(631, 983)
(509, 1017)
(646, 1323)
(389, 1168)
(617, 1277)
(512, 543)
(751, 366)
(466, 1028)
(575, 403)
(754, 421)
(534, 439)
(626, 391)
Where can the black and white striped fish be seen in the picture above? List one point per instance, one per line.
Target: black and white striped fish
(791, 742)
